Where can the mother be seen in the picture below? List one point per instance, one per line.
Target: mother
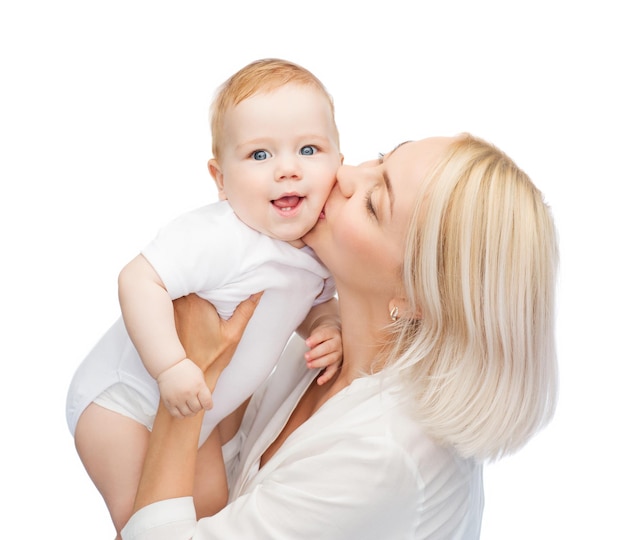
(444, 255)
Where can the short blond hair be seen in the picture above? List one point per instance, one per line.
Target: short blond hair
(480, 267)
(260, 76)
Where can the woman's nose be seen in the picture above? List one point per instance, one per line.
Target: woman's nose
(347, 179)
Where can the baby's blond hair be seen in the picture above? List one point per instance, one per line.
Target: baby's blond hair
(257, 77)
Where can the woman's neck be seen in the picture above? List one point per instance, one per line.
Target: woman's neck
(363, 336)
(362, 331)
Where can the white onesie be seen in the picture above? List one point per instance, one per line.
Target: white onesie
(210, 252)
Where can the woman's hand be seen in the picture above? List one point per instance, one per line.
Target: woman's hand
(207, 339)
(170, 463)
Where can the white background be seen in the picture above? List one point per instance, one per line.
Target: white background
(104, 137)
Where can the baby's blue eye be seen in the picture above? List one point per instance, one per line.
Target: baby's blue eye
(260, 155)
(308, 150)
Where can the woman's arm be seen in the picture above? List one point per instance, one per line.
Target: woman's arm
(337, 488)
(169, 466)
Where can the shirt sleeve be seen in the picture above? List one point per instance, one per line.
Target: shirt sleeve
(357, 488)
(197, 251)
(328, 291)
(164, 520)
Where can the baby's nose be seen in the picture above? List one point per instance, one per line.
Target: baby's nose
(287, 168)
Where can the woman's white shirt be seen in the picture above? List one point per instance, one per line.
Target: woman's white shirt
(360, 467)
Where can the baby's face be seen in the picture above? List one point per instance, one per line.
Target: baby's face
(279, 157)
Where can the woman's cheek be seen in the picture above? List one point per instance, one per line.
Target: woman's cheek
(353, 238)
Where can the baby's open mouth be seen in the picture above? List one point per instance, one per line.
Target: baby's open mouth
(287, 203)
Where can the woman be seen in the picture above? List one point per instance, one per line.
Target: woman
(444, 255)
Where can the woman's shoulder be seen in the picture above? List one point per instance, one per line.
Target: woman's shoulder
(387, 415)
(374, 427)
(450, 487)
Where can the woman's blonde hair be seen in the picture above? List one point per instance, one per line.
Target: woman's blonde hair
(260, 76)
(480, 268)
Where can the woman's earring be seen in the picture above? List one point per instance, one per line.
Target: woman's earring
(394, 313)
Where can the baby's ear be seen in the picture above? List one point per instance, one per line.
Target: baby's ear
(216, 173)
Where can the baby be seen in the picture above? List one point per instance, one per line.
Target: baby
(276, 151)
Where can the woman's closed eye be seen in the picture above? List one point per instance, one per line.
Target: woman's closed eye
(369, 205)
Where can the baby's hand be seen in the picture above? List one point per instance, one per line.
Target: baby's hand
(325, 351)
(183, 389)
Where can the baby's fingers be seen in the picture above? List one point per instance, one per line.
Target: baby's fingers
(205, 399)
(328, 374)
(172, 409)
(323, 334)
(189, 408)
(323, 355)
(324, 362)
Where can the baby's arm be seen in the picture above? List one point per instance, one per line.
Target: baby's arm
(321, 330)
(149, 319)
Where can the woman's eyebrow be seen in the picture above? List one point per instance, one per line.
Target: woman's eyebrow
(402, 143)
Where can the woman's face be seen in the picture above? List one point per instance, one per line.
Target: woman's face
(361, 233)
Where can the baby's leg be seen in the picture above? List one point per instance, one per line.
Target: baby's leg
(210, 492)
(229, 426)
(112, 448)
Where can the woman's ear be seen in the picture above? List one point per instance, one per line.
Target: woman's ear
(216, 172)
(399, 308)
